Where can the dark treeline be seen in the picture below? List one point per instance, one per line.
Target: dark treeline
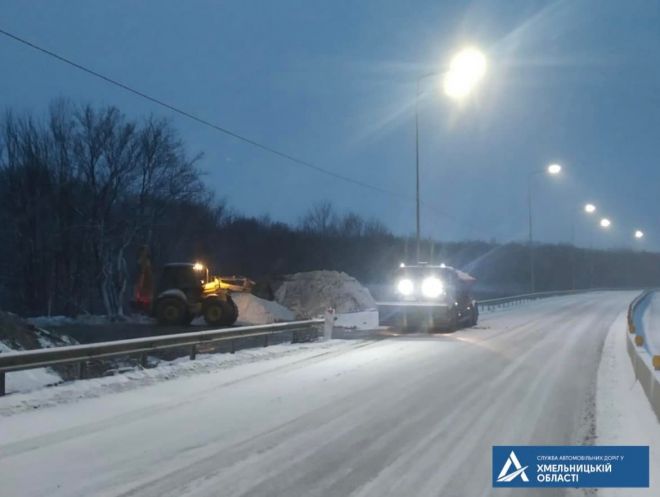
(83, 188)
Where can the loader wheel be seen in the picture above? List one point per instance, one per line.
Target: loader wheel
(215, 312)
(232, 311)
(171, 311)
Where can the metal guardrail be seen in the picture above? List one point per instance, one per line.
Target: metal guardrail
(633, 307)
(501, 301)
(80, 354)
(526, 297)
(645, 365)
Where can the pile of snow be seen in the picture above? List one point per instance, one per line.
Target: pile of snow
(253, 310)
(363, 320)
(309, 294)
(17, 334)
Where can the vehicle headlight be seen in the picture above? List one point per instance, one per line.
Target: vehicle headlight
(405, 286)
(432, 287)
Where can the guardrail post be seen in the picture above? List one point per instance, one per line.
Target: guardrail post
(266, 340)
(233, 345)
(143, 360)
(81, 370)
(2, 383)
(193, 352)
(329, 323)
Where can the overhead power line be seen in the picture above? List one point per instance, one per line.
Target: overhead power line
(200, 120)
(292, 159)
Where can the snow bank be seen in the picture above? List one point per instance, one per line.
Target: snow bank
(24, 381)
(251, 360)
(623, 413)
(87, 320)
(309, 294)
(363, 320)
(253, 310)
(17, 334)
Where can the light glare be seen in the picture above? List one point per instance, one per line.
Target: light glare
(432, 287)
(554, 169)
(639, 234)
(466, 69)
(589, 208)
(405, 286)
(605, 223)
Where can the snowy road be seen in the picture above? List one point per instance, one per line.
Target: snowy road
(403, 416)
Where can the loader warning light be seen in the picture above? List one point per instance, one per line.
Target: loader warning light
(198, 266)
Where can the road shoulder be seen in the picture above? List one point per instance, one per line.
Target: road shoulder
(623, 414)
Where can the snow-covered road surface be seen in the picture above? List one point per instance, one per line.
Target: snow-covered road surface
(403, 416)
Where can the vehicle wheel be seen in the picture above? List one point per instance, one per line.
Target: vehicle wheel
(231, 312)
(214, 312)
(171, 311)
(475, 315)
(454, 320)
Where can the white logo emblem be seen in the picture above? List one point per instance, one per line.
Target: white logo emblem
(512, 460)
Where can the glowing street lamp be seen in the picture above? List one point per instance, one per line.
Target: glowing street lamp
(588, 209)
(554, 169)
(466, 69)
(639, 234)
(605, 223)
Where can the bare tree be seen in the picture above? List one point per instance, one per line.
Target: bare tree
(82, 190)
(350, 225)
(320, 218)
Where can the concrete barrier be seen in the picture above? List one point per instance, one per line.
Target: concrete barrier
(643, 363)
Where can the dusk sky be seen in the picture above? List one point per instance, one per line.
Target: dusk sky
(333, 83)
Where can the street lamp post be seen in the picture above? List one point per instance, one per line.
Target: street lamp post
(465, 71)
(588, 209)
(605, 225)
(417, 221)
(552, 169)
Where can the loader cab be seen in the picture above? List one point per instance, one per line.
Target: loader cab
(190, 278)
(186, 290)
